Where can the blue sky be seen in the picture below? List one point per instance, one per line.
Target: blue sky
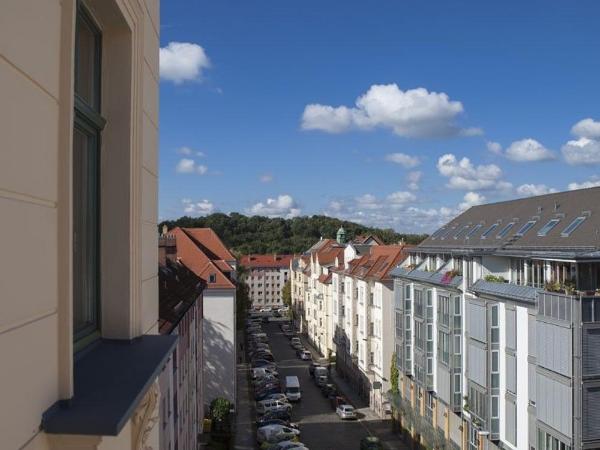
(367, 110)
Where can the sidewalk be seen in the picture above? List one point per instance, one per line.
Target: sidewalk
(375, 426)
(244, 426)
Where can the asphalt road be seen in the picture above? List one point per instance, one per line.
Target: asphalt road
(320, 427)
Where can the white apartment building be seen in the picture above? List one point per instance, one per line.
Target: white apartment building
(266, 276)
(496, 327)
(363, 300)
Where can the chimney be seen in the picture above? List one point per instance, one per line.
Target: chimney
(167, 249)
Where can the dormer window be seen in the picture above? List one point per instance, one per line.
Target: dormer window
(212, 278)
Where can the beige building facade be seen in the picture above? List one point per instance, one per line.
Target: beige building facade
(78, 180)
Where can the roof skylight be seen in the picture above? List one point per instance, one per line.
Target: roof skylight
(438, 232)
(548, 227)
(525, 228)
(505, 230)
(572, 226)
(445, 235)
(489, 231)
(461, 231)
(474, 230)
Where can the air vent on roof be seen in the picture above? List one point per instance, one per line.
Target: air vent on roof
(586, 213)
(535, 218)
(559, 215)
(540, 209)
(556, 206)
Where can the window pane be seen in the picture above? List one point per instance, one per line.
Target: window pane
(87, 62)
(85, 233)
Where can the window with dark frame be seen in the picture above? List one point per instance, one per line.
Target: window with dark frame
(87, 128)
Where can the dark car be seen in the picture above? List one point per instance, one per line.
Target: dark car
(370, 443)
(261, 423)
(263, 363)
(259, 390)
(327, 389)
(282, 414)
(265, 394)
(337, 400)
(261, 357)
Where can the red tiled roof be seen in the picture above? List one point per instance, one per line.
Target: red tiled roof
(325, 278)
(203, 262)
(211, 243)
(378, 263)
(266, 261)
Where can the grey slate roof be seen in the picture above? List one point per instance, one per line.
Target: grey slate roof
(505, 290)
(565, 206)
(427, 277)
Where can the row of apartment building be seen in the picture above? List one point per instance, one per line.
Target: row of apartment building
(197, 303)
(494, 324)
(86, 353)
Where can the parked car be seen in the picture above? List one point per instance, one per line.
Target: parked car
(288, 445)
(264, 406)
(321, 380)
(297, 345)
(261, 422)
(265, 394)
(370, 443)
(337, 400)
(263, 363)
(260, 372)
(311, 368)
(346, 412)
(272, 434)
(300, 350)
(262, 355)
(270, 387)
(305, 355)
(327, 389)
(278, 396)
(265, 379)
(295, 341)
(282, 415)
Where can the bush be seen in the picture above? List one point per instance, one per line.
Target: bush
(494, 278)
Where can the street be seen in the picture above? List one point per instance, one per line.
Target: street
(321, 428)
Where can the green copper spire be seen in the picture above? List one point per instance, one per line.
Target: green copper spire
(341, 236)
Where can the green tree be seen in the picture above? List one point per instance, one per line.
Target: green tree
(263, 235)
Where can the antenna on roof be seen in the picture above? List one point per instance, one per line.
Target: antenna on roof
(540, 209)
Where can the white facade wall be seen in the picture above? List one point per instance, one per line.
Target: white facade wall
(266, 285)
(219, 341)
(36, 88)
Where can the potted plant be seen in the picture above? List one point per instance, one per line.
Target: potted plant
(494, 278)
(449, 275)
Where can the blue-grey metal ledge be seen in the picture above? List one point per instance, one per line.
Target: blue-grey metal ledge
(505, 290)
(110, 381)
(436, 278)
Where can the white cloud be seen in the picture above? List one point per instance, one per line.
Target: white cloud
(592, 182)
(412, 113)
(406, 161)
(587, 128)
(401, 197)
(530, 190)
(187, 151)
(414, 178)
(182, 61)
(471, 199)
(201, 208)
(528, 150)
(282, 206)
(186, 165)
(466, 176)
(582, 151)
(266, 178)
(494, 147)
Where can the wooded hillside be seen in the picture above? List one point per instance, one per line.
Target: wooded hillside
(258, 234)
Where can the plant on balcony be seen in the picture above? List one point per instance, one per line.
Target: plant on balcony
(449, 276)
(411, 267)
(553, 286)
(494, 278)
(569, 287)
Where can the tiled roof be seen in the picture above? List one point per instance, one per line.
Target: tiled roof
(325, 278)
(266, 261)
(178, 289)
(505, 290)
(208, 266)
(378, 264)
(210, 242)
(564, 207)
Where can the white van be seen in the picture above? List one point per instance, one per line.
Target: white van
(292, 389)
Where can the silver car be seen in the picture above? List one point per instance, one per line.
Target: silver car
(346, 412)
